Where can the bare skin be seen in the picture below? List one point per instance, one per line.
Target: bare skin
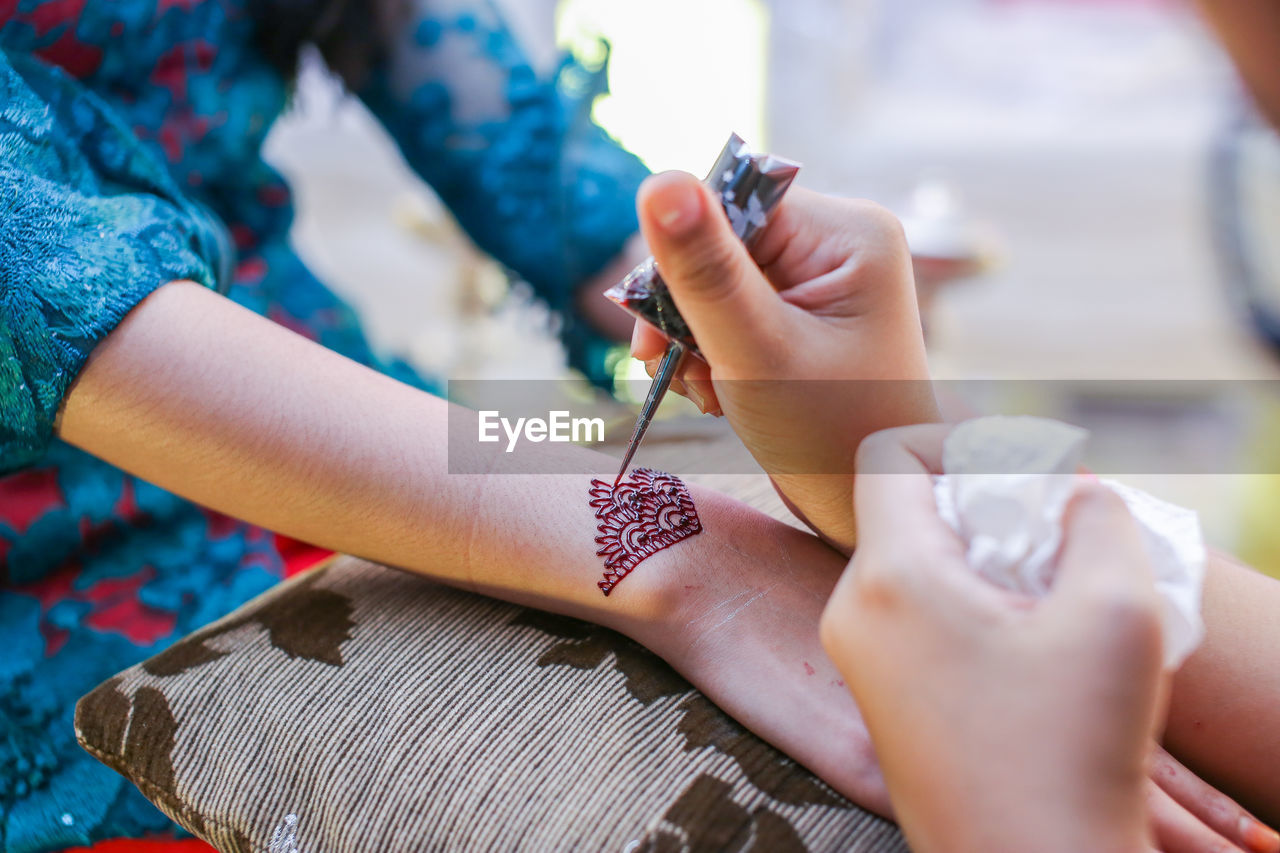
(1224, 712)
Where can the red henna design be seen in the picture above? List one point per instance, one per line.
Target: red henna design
(637, 518)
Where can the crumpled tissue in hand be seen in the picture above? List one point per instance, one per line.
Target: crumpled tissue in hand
(1004, 490)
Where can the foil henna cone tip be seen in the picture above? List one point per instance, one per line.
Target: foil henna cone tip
(750, 187)
(641, 515)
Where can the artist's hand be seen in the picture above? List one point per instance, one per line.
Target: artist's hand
(813, 338)
(743, 628)
(1002, 724)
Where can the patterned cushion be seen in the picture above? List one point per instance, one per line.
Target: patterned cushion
(360, 708)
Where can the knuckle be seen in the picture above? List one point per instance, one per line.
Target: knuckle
(708, 265)
(1098, 496)
(1098, 514)
(1130, 621)
(881, 223)
(875, 449)
(831, 627)
(878, 580)
(1164, 770)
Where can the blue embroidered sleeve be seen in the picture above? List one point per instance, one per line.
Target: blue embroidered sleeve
(516, 157)
(90, 224)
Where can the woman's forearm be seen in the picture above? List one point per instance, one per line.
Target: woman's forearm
(1224, 712)
(208, 400)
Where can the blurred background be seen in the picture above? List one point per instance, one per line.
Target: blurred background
(1084, 188)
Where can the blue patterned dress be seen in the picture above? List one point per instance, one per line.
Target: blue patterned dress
(130, 138)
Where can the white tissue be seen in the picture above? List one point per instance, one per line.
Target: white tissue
(1005, 487)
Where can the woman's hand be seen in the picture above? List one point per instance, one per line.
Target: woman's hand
(740, 621)
(1000, 724)
(823, 308)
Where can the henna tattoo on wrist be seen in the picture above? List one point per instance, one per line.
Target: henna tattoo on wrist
(638, 517)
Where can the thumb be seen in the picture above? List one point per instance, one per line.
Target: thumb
(1104, 564)
(730, 306)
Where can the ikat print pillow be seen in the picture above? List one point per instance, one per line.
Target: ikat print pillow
(360, 708)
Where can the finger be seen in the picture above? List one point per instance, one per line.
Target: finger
(893, 492)
(1212, 807)
(711, 275)
(1177, 830)
(922, 445)
(705, 391)
(906, 552)
(647, 342)
(697, 389)
(696, 376)
(1102, 554)
(649, 345)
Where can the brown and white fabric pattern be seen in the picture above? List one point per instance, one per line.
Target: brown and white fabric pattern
(358, 708)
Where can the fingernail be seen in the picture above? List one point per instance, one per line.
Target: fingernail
(676, 208)
(635, 337)
(697, 398)
(1259, 838)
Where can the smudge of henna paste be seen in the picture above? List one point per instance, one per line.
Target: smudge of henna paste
(637, 518)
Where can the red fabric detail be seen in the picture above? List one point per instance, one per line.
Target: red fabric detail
(72, 55)
(220, 526)
(243, 237)
(138, 845)
(113, 607)
(67, 51)
(180, 130)
(171, 72)
(27, 495)
(126, 508)
(277, 315)
(251, 270)
(299, 556)
(49, 14)
(118, 611)
(163, 6)
(274, 195)
(296, 556)
(54, 639)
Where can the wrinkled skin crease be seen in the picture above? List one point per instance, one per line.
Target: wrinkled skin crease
(641, 515)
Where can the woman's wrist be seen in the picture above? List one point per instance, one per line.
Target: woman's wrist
(741, 554)
(656, 601)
